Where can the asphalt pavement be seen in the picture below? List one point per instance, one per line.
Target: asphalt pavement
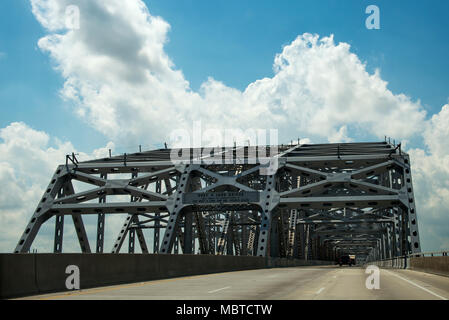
(298, 283)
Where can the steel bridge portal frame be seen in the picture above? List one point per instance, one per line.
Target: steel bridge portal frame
(322, 201)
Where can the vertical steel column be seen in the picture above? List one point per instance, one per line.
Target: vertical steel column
(59, 229)
(201, 232)
(131, 238)
(291, 232)
(198, 218)
(156, 232)
(256, 233)
(317, 248)
(395, 226)
(267, 205)
(236, 239)
(411, 208)
(245, 235)
(175, 207)
(100, 221)
(157, 215)
(302, 239)
(388, 241)
(215, 230)
(224, 234)
(382, 246)
(274, 237)
(297, 242)
(132, 231)
(210, 233)
(230, 238)
(188, 231)
(195, 236)
(307, 243)
(405, 247)
(283, 233)
(176, 245)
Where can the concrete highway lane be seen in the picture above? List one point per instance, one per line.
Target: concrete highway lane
(299, 283)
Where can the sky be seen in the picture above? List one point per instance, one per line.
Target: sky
(136, 70)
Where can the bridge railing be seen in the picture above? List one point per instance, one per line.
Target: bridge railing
(396, 262)
(436, 262)
(430, 254)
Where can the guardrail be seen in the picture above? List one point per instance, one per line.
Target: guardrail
(430, 254)
(396, 262)
(436, 262)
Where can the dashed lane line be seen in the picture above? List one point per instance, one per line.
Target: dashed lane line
(213, 291)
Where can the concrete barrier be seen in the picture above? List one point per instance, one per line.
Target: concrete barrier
(17, 275)
(31, 274)
(393, 263)
(435, 265)
(431, 264)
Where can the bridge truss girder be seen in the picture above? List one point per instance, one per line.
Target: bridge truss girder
(319, 199)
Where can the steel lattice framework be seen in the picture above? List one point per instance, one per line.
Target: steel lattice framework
(322, 200)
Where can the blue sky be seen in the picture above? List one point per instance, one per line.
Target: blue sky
(227, 51)
(235, 42)
(28, 84)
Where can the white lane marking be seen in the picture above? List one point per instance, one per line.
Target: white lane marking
(309, 269)
(319, 291)
(416, 285)
(213, 291)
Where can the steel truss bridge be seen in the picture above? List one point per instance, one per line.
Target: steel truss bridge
(321, 201)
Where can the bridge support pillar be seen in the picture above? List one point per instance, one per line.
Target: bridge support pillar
(267, 205)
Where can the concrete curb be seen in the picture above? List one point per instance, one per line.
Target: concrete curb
(32, 274)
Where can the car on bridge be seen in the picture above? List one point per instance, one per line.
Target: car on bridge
(346, 259)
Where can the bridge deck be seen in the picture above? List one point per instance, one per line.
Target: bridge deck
(328, 283)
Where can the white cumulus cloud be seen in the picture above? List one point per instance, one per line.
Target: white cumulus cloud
(125, 85)
(431, 181)
(28, 159)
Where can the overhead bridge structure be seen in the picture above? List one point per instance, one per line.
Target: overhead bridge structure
(308, 201)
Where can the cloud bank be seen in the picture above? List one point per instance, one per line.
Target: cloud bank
(123, 83)
(28, 159)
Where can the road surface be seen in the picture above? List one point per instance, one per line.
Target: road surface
(299, 283)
